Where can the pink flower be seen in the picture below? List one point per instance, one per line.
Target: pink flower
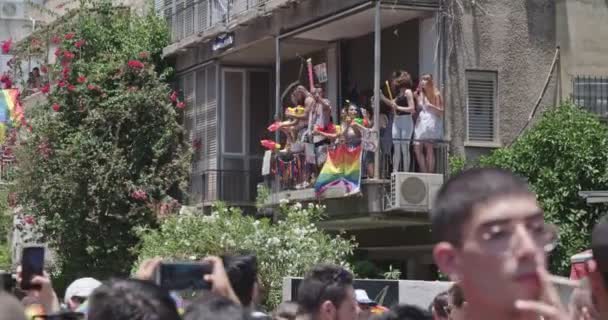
(181, 105)
(82, 79)
(91, 87)
(56, 107)
(7, 81)
(139, 195)
(79, 44)
(56, 39)
(68, 55)
(6, 46)
(69, 35)
(29, 220)
(46, 88)
(135, 64)
(58, 52)
(61, 84)
(44, 69)
(173, 96)
(71, 87)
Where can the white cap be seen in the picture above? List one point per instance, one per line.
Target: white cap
(362, 297)
(82, 287)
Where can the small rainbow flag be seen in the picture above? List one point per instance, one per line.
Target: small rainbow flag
(11, 111)
(343, 167)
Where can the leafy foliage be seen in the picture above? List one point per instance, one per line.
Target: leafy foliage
(5, 225)
(289, 247)
(105, 152)
(566, 152)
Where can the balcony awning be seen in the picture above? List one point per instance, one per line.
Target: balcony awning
(594, 196)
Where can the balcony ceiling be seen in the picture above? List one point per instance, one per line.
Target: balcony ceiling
(359, 24)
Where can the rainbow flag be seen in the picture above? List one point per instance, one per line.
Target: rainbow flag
(343, 167)
(11, 111)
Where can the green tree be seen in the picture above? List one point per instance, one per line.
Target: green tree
(289, 247)
(105, 152)
(564, 153)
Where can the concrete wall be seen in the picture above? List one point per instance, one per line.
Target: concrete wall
(514, 38)
(584, 44)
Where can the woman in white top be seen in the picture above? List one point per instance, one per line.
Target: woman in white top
(429, 126)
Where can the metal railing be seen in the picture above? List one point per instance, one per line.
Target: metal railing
(591, 93)
(231, 186)
(290, 171)
(188, 17)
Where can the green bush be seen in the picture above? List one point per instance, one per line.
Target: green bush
(564, 153)
(106, 151)
(289, 247)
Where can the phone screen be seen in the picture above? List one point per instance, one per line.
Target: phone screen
(32, 264)
(182, 276)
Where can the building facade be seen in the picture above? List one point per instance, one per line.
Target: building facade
(499, 64)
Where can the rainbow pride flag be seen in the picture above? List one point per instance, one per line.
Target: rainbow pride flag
(342, 168)
(11, 111)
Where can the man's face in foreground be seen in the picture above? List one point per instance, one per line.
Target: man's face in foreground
(502, 245)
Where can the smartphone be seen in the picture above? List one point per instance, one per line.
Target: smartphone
(32, 264)
(183, 276)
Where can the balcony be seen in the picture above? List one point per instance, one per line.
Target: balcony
(410, 192)
(591, 93)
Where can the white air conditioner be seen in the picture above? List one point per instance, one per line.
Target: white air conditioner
(12, 10)
(413, 191)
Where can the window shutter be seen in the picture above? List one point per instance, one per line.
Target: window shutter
(481, 106)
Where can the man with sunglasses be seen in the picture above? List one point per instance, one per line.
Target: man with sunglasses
(327, 293)
(492, 239)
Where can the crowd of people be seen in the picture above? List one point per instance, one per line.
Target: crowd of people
(491, 240)
(409, 116)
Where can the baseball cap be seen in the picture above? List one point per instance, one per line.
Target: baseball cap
(82, 287)
(362, 297)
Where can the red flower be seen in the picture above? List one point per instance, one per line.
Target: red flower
(29, 220)
(6, 46)
(181, 105)
(173, 96)
(139, 195)
(46, 88)
(69, 35)
(91, 87)
(58, 52)
(71, 87)
(78, 44)
(61, 84)
(6, 80)
(44, 69)
(135, 64)
(56, 39)
(82, 79)
(56, 107)
(144, 55)
(68, 55)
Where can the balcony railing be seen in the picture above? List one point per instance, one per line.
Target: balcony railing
(188, 17)
(289, 171)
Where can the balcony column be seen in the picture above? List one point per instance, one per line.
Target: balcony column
(377, 69)
(277, 92)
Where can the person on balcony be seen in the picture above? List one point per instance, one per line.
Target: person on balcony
(403, 125)
(429, 126)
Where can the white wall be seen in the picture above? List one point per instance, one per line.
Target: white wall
(428, 46)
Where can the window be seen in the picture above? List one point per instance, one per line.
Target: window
(591, 93)
(482, 110)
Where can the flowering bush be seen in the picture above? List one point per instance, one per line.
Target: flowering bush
(101, 158)
(289, 247)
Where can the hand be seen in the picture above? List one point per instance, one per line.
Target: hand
(220, 284)
(146, 269)
(550, 306)
(598, 289)
(46, 295)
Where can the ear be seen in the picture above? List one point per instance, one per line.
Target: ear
(447, 259)
(327, 310)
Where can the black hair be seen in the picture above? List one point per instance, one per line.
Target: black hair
(243, 274)
(131, 299)
(439, 304)
(405, 312)
(210, 306)
(459, 196)
(324, 282)
(457, 295)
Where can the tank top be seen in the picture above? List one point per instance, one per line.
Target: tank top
(402, 102)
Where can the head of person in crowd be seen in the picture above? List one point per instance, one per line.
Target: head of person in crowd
(287, 310)
(242, 271)
(10, 307)
(456, 303)
(405, 312)
(131, 300)
(598, 268)
(402, 80)
(492, 239)
(365, 304)
(210, 306)
(439, 306)
(79, 291)
(298, 96)
(36, 72)
(327, 293)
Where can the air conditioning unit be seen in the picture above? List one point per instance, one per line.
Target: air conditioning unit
(14, 10)
(413, 191)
